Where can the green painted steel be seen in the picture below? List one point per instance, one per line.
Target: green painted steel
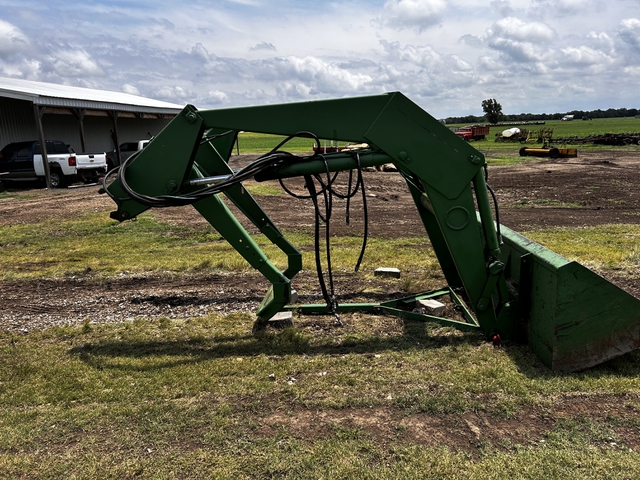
(390, 122)
(165, 164)
(576, 319)
(571, 317)
(339, 162)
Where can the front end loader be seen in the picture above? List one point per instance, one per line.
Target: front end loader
(507, 286)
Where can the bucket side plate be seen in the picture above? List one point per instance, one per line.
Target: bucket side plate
(576, 318)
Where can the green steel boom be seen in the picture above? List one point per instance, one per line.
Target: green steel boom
(510, 286)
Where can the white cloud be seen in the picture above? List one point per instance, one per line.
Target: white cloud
(471, 41)
(426, 57)
(633, 71)
(171, 93)
(522, 42)
(201, 52)
(320, 75)
(130, 89)
(503, 7)
(583, 57)
(447, 56)
(601, 41)
(414, 14)
(217, 97)
(12, 40)
(264, 46)
(629, 32)
(490, 64)
(27, 69)
(514, 29)
(567, 7)
(74, 63)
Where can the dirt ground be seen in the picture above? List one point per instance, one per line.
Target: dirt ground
(595, 188)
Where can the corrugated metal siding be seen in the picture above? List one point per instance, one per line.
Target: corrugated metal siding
(97, 134)
(17, 121)
(134, 129)
(52, 94)
(91, 104)
(62, 127)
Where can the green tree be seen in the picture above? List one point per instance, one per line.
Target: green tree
(492, 110)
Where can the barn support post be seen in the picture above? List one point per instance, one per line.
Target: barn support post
(38, 112)
(113, 115)
(79, 114)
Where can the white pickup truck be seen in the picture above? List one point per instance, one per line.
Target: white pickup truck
(22, 161)
(126, 150)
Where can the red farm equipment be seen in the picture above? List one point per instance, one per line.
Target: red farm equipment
(473, 132)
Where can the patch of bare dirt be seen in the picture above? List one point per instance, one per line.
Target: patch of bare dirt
(595, 188)
(472, 431)
(42, 303)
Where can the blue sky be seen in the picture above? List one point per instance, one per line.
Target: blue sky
(531, 55)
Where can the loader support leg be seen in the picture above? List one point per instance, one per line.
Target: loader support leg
(246, 203)
(461, 235)
(219, 216)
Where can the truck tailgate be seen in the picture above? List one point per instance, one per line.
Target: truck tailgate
(90, 160)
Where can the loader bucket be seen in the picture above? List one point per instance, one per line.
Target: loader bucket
(576, 318)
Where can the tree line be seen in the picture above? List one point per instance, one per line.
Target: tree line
(528, 117)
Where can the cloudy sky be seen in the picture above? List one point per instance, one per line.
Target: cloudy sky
(531, 55)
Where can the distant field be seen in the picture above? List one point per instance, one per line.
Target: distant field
(598, 126)
(260, 143)
(578, 128)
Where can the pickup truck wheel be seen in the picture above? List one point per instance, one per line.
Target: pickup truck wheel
(57, 179)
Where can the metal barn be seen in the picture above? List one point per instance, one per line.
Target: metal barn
(86, 119)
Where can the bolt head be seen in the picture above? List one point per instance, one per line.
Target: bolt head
(171, 186)
(483, 304)
(404, 157)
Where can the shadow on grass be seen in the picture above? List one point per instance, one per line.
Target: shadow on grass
(528, 364)
(415, 335)
(290, 341)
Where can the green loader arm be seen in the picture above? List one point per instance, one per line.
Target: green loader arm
(508, 287)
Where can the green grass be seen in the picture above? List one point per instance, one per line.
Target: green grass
(578, 128)
(95, 243)
(598, 126)
(18, 196)
(249, 142)
(496, 153)
(203, 398)
(506, 153)
(257, 189)
(63, 248)
(604, 247)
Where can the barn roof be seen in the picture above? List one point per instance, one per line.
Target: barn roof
(53, 95)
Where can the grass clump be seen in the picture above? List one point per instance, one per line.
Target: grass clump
(202, 397)
(609, 247)
(95, 243)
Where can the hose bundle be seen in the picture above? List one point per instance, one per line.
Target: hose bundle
(275, 157)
